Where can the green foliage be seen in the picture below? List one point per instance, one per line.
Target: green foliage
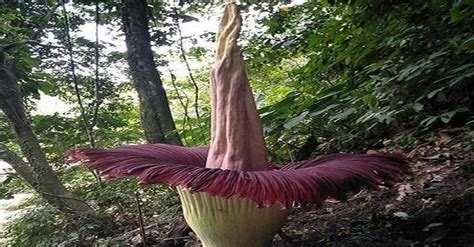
(193, 131)
(117, 196)
(46, 71)
(11, 184)
(362, 70)
(41, 225)
(34, 228)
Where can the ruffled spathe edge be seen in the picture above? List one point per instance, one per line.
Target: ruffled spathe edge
(305, 182)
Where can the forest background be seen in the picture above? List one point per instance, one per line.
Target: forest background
(328, 76)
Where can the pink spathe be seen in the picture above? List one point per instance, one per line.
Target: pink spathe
(237, 141)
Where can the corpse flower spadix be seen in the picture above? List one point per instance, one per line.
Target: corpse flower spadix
(231, 195)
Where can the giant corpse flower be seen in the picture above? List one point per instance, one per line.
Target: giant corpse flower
(231, 195)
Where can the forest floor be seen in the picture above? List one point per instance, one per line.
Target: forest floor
(433, 206)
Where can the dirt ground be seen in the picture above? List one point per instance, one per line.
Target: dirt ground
(434, 206)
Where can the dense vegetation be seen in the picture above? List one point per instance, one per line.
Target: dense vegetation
(328, 76)
(350, 75)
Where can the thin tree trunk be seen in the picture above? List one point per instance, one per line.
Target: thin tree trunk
(186, 62)
(37, 172)
(155, 113)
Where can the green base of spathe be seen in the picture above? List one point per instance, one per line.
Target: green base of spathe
(220, 222)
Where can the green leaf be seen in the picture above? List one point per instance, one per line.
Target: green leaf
(446, 117)
(318, 113)
(417, 107)
(434, 92)
(428, 121)
(467, 44)
(343, 115)
(456, 15)
(295, 121)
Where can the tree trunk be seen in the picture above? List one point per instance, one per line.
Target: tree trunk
(37, 172)
(155, 113)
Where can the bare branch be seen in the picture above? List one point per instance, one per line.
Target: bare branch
(87, 127)
(47, 18)
(17, 163)
(36, 42)
(67, 197)
(140, 218)
(74, 76)
(186, 62)
(181, 101)
(97, 99)
(31, 42)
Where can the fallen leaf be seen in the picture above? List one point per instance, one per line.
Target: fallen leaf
(434, 157)
(432, 225)
(402, 215)
(437, 235)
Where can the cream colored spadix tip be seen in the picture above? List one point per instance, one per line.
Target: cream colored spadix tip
(229, 30)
